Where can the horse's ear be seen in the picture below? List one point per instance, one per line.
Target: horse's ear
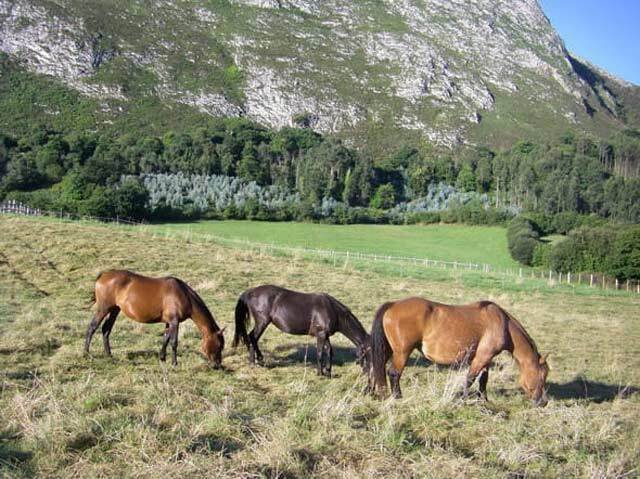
(543, 358)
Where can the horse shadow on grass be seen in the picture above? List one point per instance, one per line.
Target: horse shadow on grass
(309, 354)
(11, 456)
(341, 355)
(212, 443)
(594, 391)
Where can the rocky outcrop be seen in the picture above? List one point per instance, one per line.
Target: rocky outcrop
(432, 65)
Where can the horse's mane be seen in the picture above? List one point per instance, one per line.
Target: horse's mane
(346, 312)
(521, 329)
(195, 297)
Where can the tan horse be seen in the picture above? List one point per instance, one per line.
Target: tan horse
(153, 300)
(453, 335)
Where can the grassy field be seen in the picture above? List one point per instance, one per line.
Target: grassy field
(67, 415)
(475, 244)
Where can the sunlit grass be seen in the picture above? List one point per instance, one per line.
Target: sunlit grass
(67, 415)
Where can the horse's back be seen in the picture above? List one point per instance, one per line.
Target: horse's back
(292, 312)
(143, 298)
(445, 332)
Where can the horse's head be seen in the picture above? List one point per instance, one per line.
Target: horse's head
(533, 380)
(212, 346)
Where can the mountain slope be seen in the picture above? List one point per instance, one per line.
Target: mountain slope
(487, 71)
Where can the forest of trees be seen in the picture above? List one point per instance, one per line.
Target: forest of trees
(571, 174)
(234, 168)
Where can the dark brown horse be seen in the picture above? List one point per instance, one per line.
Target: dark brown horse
(318, 315)
(153, 300)
(472, 334)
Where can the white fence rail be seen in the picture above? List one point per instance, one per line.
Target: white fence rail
(552, 278)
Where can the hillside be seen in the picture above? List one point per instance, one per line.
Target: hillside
(69, 415)
(488, 72)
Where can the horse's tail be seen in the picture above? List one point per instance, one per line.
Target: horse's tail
(92, 297)
(380, 349)
(242, 320)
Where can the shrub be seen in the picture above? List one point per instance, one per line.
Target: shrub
(385, 197)
(522, 239)
(624, 261)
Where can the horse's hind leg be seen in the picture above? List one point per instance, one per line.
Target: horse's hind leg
(324, 353)
(106, 330)
(174, 341)
(165, 342)
(254, 337)
(398, 362)
(98, 316)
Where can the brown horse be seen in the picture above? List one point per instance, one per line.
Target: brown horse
(153, 300)
(453, 335)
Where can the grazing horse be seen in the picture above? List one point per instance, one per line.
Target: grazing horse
(470, 334)
(292, 312)
(153, 300)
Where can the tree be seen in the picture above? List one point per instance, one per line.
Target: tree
(385, 197)
(420, 179)
(466, 178)
(249, 167)
(624, 262)
(22, 173)
(130, 199)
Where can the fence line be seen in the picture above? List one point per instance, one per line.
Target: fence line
(553, 278)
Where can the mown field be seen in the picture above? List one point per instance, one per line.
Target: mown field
(475, 244)
(66, 415)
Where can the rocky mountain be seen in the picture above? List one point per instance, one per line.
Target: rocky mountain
(449, 71)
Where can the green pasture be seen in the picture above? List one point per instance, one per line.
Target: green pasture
(469, 244)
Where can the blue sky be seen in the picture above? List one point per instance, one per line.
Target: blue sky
(605, 32)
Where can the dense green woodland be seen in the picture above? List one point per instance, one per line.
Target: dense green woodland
(104, 175)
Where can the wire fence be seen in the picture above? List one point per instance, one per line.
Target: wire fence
(551, 278)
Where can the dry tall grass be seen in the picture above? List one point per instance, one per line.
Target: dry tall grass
(66, 415)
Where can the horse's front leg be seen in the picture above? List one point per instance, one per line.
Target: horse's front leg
(328, 357)
(478, 367)
(321, 338)
(482, 383)
(91, 329)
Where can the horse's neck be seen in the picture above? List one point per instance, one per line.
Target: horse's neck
(352, 329)
(203, 319)
(523, 350)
